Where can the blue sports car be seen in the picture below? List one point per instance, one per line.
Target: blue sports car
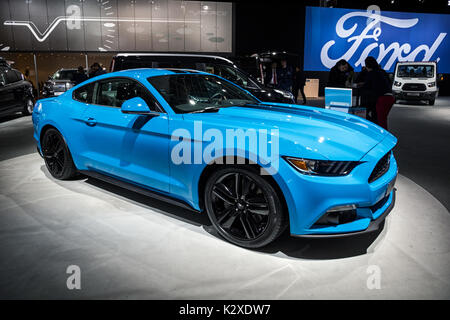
(200, 141)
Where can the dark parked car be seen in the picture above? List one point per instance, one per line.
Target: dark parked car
(16, 94)
(61, 81)
(212, 64)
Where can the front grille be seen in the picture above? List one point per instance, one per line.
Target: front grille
(381, 168)
(414, 87)
(59, 87)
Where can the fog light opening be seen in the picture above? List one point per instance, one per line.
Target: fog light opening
(338, 215)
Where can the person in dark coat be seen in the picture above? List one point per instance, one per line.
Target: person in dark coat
(299, 84)
(361, 78)
(285, 76)
(80, 76)
(376, 93)
(340, 74)
(96, 70)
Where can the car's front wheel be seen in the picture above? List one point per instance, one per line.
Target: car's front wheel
(244, 207)
(57, 157)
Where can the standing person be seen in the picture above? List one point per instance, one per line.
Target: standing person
(340, 74)
(361, 78)
(96, 70)
(299, 84)
(377, 93)
(285, 76)
(272, 76)
(80, 76)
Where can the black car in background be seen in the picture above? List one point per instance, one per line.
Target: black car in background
(16, 94)
(59, 82)
(212, 64)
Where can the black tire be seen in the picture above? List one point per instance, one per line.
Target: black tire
(249, 215)
(28, 106)
(431, 102)
(57, 157)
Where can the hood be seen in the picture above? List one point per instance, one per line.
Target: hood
(307, 132)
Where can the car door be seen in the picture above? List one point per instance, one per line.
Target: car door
(7, 91)
(15, 79)
(6, 95)
(128, 146)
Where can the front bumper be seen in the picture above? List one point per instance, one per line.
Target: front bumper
(415, 95)
(374, 225)
(309, 198)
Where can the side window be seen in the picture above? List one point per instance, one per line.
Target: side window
(11, 76)
(114, 92)
(84, 94)
(19, 75)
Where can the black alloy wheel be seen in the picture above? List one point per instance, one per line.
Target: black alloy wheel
(244, 207)
(57, 156)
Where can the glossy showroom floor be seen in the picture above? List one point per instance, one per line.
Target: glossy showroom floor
(128, 246)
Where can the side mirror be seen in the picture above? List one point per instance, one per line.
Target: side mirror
(137, 106)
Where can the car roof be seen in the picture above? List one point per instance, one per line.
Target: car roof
(417, 62)
(144, 73)
(172, 55)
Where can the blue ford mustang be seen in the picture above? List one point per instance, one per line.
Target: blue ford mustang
(201, 142)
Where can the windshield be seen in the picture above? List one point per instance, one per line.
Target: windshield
(187, 93)
(415, 71)
(64, 75)
(232, 74)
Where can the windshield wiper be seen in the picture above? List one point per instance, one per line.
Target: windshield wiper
(207, 109)
(216, 109)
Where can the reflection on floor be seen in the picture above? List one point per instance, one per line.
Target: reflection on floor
(128, 246)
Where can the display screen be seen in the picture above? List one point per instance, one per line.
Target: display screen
(116, 25)
(332, 34)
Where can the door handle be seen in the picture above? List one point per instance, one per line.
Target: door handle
(90, 122)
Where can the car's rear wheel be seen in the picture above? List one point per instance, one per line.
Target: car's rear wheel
(244, 207)
(58, 159)
(28, 107)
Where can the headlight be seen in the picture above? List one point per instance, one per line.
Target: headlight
(69, 85)
(432, 84)
(322, 167)
(285, 94)
(397, 84)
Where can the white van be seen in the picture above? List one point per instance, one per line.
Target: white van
(415, 81)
